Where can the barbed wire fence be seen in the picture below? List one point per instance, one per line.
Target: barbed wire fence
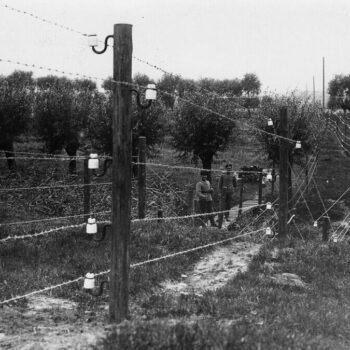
(50, 157)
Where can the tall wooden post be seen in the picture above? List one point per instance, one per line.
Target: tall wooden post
(86, 189)
(325, 228)
(283, 188)
(121, 174)
(260, 188)
(241, 197)
(142, 177)
(273, 178)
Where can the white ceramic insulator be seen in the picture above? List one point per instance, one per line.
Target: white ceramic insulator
(151, 92)
(89, 281)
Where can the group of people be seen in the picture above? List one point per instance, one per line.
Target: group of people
(204, 196)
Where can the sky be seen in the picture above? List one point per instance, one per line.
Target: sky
(281, 41)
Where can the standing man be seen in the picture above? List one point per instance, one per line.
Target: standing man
(204, 199)
(227, 183)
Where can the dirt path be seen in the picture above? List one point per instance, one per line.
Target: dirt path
(51, 324)
(213, 271)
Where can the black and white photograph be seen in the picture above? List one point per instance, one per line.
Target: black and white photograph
(174, 175)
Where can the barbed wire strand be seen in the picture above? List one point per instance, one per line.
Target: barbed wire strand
(53, 187)
(52, 219)
(131, 266)
(42, 19)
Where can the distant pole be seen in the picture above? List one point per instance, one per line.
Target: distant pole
(283, 167)
(313, 90)
(142, 177)
(323, 85)
(121, 174)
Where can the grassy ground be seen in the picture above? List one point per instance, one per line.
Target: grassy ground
(250, 312)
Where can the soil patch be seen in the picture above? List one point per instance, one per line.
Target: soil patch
(213, 271)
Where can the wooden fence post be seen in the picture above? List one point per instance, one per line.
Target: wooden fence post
(241, 197)
(325, 228)
(283, 167)
(121, 173)
(142, 178)
(87, 187)
(260, 188)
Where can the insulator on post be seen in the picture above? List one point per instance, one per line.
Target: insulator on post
(151, 92)
(89, 281)
(298, 145)
(91, 226)
(269, 177)
(268, 232)
(315, 224)
(92, 40)
(335, 239)
(93, 162)
(268, 205)
(269, 122)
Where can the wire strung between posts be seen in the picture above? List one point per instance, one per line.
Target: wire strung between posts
(52, 219)
(44, 158)
(138, 86)
(339, 134)
(42, 19)
(169, 187)
(313, 168)
(194, 168)
(225, 117)
(53, 187)
(341, 235)
(302, 195)
(36, 153)
(42, 233)
(169, 218)
(131, 266)
(331, 206)
(340, 142)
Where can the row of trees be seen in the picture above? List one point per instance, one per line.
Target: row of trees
(68, 114)
(199, 116)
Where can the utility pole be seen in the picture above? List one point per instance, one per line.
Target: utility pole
(121, 174)
(283, 190)
(142, 177)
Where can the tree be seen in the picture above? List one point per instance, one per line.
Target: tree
(339, 92)
(304, 124)
(16, 104)
(61, 110)
(198, 131)
(145, 122)
(251, 88)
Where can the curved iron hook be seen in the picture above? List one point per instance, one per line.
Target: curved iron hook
(106, 45)
(104, 232)
(138, 100)
(97, 291)
(105, 167)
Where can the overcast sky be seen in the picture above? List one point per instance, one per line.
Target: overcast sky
(282, 41)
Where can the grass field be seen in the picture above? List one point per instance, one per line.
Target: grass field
(250, 312)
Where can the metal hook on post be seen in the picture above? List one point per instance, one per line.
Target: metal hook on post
(92, 230)
(93, 39)
(89, 285)
(106, 163)
(138, 100)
